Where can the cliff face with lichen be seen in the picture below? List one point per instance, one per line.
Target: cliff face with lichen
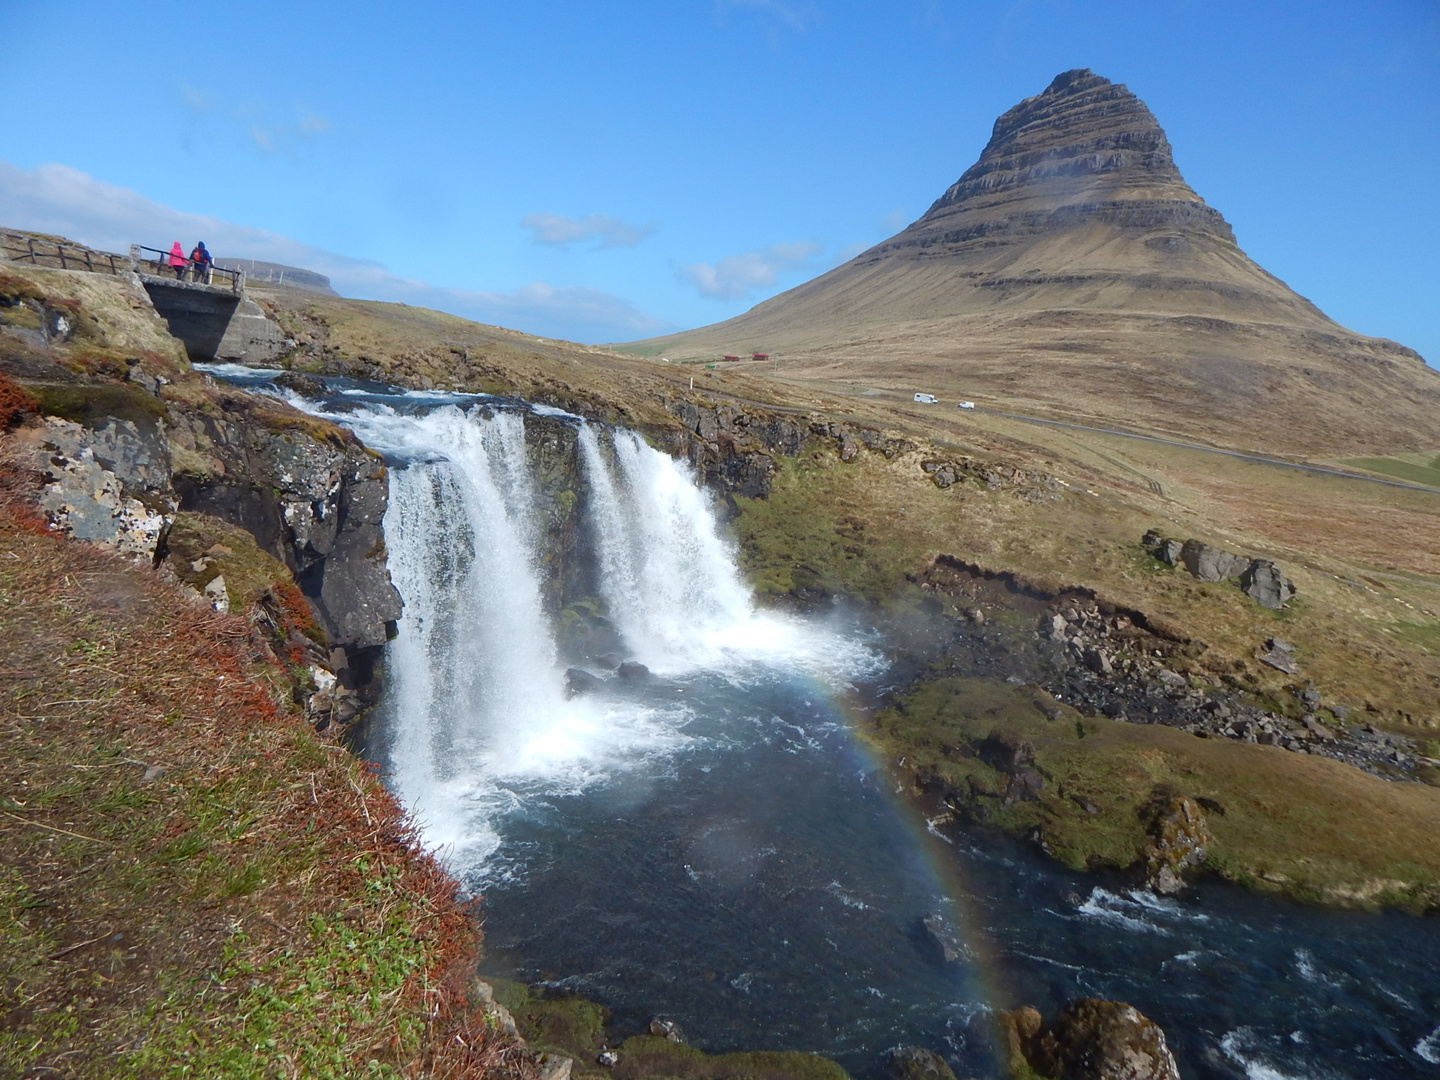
(238, 497)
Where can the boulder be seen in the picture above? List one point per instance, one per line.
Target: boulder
(579, 681)
(1093, 1039)
(916, 1063)
(108, 484)
(1266, 585)
(1177, 840)
(663, 1028)
(945, 938)
(1006, 751)
(307, 386)
(1207, 563)
(1281, 660)
(632, 669)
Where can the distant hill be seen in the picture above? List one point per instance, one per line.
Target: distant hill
(1071, 272)
(278, 275)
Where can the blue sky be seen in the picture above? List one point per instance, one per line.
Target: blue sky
(605, 171)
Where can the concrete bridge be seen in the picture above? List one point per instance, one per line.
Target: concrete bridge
(215, 320)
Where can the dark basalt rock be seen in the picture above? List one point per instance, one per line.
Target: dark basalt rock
(579, 681)
(1178, 838)
(1260, 579)
(916, 1063)
(307, 386)
(632, 669)
(944, 938)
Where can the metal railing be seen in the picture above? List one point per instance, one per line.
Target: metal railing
(199, 273)
(52, 253)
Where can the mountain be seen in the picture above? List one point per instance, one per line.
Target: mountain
(1072, 273)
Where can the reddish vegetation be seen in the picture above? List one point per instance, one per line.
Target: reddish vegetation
(109, 669)
(16, 403)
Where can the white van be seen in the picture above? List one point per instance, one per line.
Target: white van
(926, 399)
(966, 405)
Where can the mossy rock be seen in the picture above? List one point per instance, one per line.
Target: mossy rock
(220, 549)
(1296, 824)
(94, 406)
(646, 1056)
(552, 1022)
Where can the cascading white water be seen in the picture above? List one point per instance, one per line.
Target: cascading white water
(667, 578)
(474, 666)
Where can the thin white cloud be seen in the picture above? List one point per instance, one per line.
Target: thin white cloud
(257, 119)
(562, 231)
(735, 275)
(796, 15)
(59, 199)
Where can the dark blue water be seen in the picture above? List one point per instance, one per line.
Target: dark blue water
(765, 889)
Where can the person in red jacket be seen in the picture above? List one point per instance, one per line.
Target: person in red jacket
(177, 260)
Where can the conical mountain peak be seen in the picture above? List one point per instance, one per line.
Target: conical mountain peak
(1083, 125)
(1072, 271)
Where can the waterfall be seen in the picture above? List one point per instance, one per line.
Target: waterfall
(479, 729)
(668, 580)
(478, 716)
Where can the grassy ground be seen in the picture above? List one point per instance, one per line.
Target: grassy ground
(1305, 826)
(194, 883)
(1365, 634)
(577, 1028)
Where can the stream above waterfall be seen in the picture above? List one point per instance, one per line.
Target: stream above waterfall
(713, 841)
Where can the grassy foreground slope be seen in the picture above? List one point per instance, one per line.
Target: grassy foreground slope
(193, 882)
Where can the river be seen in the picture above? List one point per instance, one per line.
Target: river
(714, 841)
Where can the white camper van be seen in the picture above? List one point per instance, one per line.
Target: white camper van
(926, 399)
(966, 405)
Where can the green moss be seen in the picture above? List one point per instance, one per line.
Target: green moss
(94, 406)
(803, 539)
(221, 549)
(21, 315)
(558, 1023)
(577, 1028)
(1305, 826)
(647, 1056)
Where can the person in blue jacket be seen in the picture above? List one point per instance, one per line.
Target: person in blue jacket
(200, 263)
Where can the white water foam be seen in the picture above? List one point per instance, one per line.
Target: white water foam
(670, 581)
(481, 719)
(1239, 1046)
(1126, 911)
(1428, 1048)
(1305, 964)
